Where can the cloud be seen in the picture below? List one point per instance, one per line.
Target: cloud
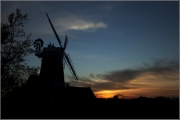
(159, 68)
(72, 22)
(64, 24)
(83, 25)
(99, 84)
(160, 74)
(120, 75)
(82, 81)
(164, 68)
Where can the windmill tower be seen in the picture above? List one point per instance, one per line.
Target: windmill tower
(53, 61)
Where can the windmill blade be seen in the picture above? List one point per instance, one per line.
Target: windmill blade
(54, 31)
(65, 43)
(70, 65)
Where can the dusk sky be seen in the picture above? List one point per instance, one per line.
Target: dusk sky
(129, 48)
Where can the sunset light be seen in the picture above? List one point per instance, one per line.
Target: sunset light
(90, 59)
(129, 48)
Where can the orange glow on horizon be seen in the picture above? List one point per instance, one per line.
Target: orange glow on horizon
(112, 93)
(134, 93)
(145, 88)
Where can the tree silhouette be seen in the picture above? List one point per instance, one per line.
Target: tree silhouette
(119, 96)
(115, 97)
(15, 46)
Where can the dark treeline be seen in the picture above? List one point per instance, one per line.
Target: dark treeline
(140, 108)
(137, 108)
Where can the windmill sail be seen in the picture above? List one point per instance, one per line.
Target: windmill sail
(65, 43)
(67, 58)
(70, 65)
(54, 31)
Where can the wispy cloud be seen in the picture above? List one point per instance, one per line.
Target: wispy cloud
(72, 22)
(63, 24)
(84, 25)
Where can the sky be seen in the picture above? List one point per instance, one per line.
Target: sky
(128, 48)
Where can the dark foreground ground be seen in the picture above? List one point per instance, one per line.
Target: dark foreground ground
(141, 108)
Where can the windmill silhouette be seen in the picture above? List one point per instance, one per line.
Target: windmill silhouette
(48, 91)
(50, 85)
(53, 61)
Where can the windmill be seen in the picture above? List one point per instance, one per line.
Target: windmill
(53, 61)
(48, 91)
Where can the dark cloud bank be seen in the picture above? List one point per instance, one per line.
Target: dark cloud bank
(119, 79)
